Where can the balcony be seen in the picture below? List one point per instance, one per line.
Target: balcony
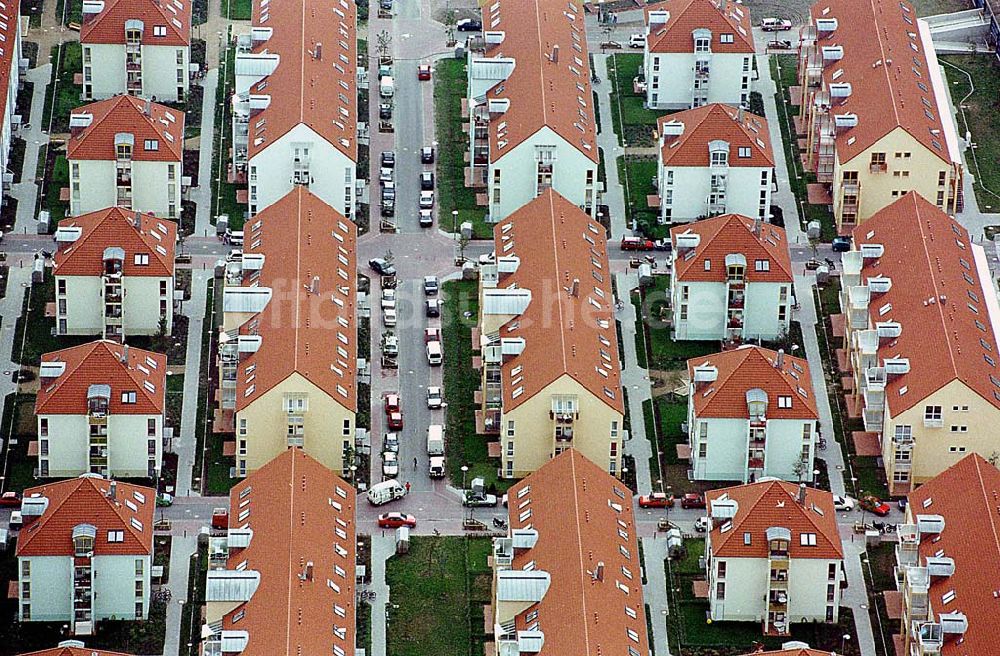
(933, 422)
(736, 302)
(755, 463)
(878, 167)
(566, 435)
(735, 323)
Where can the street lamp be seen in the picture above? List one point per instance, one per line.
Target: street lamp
(465, 492)
(843, 641)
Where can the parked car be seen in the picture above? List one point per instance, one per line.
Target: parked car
(779, 44)
(843, 503)
(220, 518)
(391, 442)
(433, 307)
(637, 41)
(396, 519)
(390, 464)
(385, 174)
(389, 158)
(488, 258)
(388, 207)
(394, 420)
(473, 501)
(434, 397)
(390, 402)
(841, 244)
(385, 111)
(469, 25)
(663, 244)
(427, 155)
(164, 500)
(775, 24)
(427, 180)
(430, 285)
(10, 500)
(432, 335)
(702, 524)
(385, 5)
(637, 244)
(426, 200)
(656, 500)
(388, 298)
(389, 317)
(693, 500)
(424, 72)
(426, 218)
(874, 505)
(382, 267)
(610, 45)
(389, 189)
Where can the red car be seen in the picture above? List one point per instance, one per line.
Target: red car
(424, 72)
(656, 500)
(637, 244)
(10, 500)
(395, 420)
(220, 518)
(432, 335)
(693, 500)
(875, 506)
(391, 401)
(396, 519)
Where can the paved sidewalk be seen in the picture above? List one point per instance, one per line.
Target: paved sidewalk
(607, 141)
(202, 194)
(654, 552)
(383, 548)
(181, 549)
(856, 596)
(10, 310)
(185, 441)
(636, 382)
(26, 191)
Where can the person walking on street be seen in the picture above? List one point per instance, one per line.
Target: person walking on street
(414, 464)
(407, 487)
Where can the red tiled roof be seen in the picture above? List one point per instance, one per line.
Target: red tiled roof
(9, 24)
(115, 227)
(108, 26)
(542, 92)
(708, 123)
(579, 615)
(73, 651)
(319, 92)
(558, 243)
(775, 503)
(305, 242)
(966, 495)
(85, 500)
(686, 16)
(292, 512)
(100, 363)
(732, 234)
(751, 367)
(126, 114)
(935, 285)
(884, 47)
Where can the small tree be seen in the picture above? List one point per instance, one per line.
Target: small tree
(449, 25)
(463, 243)
(383, 44)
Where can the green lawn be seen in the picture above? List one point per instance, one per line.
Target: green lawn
(640, 341)
(633, 123)
(191, 611)
(663, 351)
(783, 72)
(18, 428)
(438, 591)
(38, 339)
(463, 445)
(236, 9)
(979, 118)
(638, 176)
(67, 94)
(450, 87)
(59, 179)
(224, 199)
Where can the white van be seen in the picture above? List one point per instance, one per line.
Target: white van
(385, 492)
(389, 317)
(434, 354)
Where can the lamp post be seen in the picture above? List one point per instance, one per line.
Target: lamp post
(843, 641)
(465, 492)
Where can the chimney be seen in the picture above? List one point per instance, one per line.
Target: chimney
(555, 54)
(147, 107)
(314, 285)
(137, 220)
(599, 571)
(756, 226)
(319, 50)
(779, 362)
(113, 490)
(802, 494)
(125, 355)
(309, 571)
(575, 289)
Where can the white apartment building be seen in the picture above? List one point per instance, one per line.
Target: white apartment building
(85, 553)
(295, 105)
(291, 545)
(697, 52)
(532, 123)
(100, 411)
(123, 258)
(751, 413)
(946, 559)
(732, 280)
(138, 47)
(10, 79)
(568, 571)
(773, 556)
(714, 160)
(126, 152)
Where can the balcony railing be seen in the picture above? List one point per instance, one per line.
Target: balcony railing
(933, 422)
(878, 167)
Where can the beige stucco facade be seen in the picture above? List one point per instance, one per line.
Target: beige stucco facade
(263, 427)
(528, 432)
(968, 424)
(908, 165)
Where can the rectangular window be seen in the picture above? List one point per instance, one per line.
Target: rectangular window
(932, 413)
(159, 30)
(743, 152)
(831, 572)
(139, 569)
(762, 265)
(725, 38)
(720, 568)
(43, 427)
(720, 590)
(151, 427)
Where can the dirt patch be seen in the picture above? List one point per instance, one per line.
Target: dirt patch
(666, 381)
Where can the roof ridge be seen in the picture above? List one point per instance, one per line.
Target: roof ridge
(61, 380)
(885, 67)
(935, 282)
(44, 519)
(977, 461)
(579, 550)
